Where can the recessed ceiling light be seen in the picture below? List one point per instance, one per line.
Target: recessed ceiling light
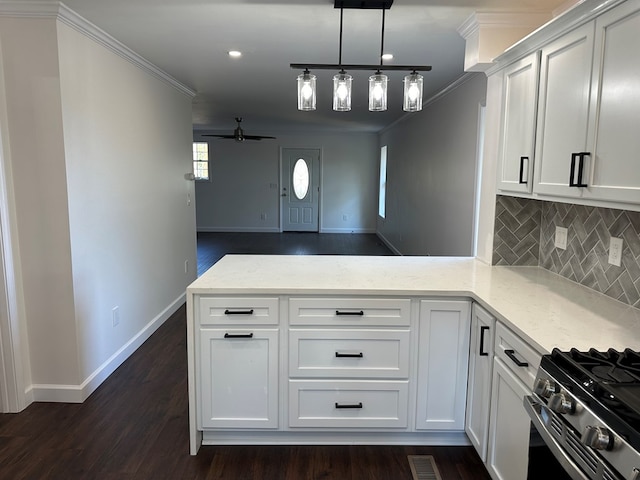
(235, 53)
(387, 56)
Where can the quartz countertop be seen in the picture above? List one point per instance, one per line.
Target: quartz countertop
(543, 308)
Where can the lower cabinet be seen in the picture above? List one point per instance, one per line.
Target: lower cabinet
(479, 384)
(509, 435)
(443, 358)
(239, 378)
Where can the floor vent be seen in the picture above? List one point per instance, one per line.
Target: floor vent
(423, 467)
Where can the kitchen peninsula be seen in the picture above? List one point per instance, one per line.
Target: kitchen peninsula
(280, 346)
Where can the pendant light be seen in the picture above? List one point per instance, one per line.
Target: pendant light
(378, 82)
(412, 101)
(306, 91)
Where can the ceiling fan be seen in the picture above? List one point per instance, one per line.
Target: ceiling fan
(238, 134)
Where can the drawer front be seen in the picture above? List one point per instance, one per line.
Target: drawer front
(349, 353)
(515, 353)
(239, 311)
(370, 312)
(344, 404)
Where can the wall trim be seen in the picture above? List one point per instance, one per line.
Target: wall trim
(59, 11)
(79, 393)
(347, 230)
(238, 230)
(388, 243)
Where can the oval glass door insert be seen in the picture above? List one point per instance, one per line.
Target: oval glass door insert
(301, 179)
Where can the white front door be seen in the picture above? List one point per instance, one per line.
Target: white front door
(300, 189)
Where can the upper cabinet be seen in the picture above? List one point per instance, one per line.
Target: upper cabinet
(586, 140)
(520, 84)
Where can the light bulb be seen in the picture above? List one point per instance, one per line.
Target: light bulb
(307, 91)
(377, 91)
(414, 92)
(342, 91)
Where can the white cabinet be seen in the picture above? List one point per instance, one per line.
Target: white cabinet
(349, 363)
(238, 362)
(443, 356)
(563, 110)
(518, 124)
(239, 378)
(586, 139)
(514, 369)
(479, 384)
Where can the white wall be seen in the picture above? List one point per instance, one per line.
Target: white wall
(98, 149)
(242, 175)
(431, 174)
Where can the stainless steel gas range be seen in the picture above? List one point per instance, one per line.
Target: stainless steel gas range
(586, 410)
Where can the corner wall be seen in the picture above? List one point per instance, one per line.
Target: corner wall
(431, 174)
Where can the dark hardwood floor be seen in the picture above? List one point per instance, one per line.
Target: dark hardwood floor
(213, 246)
(135, 426)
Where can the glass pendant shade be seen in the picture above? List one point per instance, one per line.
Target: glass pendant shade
(412, 93)
(306, 91)
(378, 92)
(342, 92)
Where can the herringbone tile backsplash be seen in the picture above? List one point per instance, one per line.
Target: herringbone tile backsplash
(525, 231)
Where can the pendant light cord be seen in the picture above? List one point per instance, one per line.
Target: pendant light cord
(382, 39)
(340, 53)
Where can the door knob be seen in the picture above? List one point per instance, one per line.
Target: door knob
(283, 195)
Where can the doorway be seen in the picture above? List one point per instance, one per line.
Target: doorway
(300, 190)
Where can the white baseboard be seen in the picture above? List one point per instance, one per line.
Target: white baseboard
(388, 244)
(79, 393)
(348, 230)
(239, 229)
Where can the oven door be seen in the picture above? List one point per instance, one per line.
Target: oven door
(547, 458)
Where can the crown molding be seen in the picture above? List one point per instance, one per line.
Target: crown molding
(60, 12)
(479, 20)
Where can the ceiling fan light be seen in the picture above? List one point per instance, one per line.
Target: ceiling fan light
(306, 91)
(412, 101)
(378, 92)
(342, 92)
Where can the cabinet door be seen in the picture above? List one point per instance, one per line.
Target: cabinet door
(520, 89)
(615, 116)
(443, 358)
(239, 378)
(563, 111)
(509, 427)
(479, 385)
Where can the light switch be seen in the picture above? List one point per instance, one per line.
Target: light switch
(561, 238)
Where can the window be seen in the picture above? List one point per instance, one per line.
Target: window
(300, 179)
(382, 197)
(201, 160)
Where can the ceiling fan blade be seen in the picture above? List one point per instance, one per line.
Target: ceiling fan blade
(255, 137)
(220, 136)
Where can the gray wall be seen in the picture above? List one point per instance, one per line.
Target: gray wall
(431, 174)
(245, 182)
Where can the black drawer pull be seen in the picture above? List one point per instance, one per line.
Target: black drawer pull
(349, 405)
(578, 182)
(349, 355)
(238, 312)
(238, 335)
(482, 332)
(521, 179)
(354, 314)
(514, 359)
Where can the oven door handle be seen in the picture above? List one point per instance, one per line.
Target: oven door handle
(533, 408)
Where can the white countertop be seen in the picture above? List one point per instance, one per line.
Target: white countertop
(543, 308)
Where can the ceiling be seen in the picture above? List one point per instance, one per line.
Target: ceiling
(189, 39)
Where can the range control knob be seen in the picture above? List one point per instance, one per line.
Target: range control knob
(545, 388)
(599, 438)
(560, 403)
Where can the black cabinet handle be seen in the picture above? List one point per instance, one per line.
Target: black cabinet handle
(482, 332)
(349, 355)
(349, 405)
(514, 359)
(347, 313)
(580, 157)
(239, 335)
(238, 312)
(521, 177)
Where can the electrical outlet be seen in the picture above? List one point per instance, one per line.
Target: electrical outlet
(615, 251)
(188, 199)
(263, 216)
(344, 217)
(561, 238)
(115, 316)
(186, 266)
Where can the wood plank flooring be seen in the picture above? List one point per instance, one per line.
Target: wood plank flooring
(135, 426)
(213, 246)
